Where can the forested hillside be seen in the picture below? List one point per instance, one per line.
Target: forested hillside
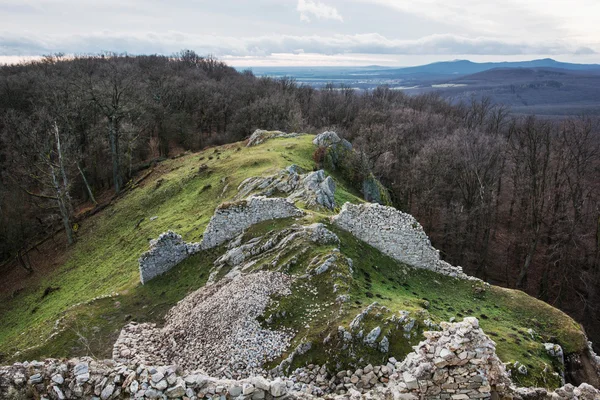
(513, 201)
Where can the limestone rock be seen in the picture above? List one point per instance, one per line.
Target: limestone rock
(260, 136)
(278, 388)
(313, 188)
(326, 138)
(373, 335)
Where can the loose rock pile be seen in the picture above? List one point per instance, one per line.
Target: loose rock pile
(214, 328)
(457, 363)
(314, 188)
(396, 234)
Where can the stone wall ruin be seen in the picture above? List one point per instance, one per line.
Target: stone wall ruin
(165, 252)
(396, 234)
(457, 363)
(229, 220)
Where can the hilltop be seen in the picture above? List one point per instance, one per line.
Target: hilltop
(267, 262)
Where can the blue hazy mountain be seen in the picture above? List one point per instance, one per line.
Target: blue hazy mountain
(466, 67)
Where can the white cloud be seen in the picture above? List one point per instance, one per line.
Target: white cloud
(306, 8)
(381, 28)
(12, 44)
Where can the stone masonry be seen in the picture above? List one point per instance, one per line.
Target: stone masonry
(165, 252)
(396, 234)
(231, 219)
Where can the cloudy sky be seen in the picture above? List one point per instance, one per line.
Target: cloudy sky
(307, 32)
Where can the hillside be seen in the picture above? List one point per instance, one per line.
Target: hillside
(329, 281)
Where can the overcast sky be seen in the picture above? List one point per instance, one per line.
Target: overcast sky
(307, 32)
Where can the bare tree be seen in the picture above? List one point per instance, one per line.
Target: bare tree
(46, 177)
(530, 151)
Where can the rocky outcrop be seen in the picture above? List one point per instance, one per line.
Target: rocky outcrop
(242, 257)
(165, 252)
(231, 219)
(260, 136)
(313, 188)
(396, 234)
(330, 138)
(456, 363)
(374, 192)
(214, 328)
(316, 189)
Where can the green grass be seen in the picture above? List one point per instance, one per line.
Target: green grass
(91, 329)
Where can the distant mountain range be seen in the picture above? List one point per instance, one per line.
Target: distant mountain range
(466, 67)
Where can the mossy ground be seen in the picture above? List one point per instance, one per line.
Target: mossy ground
(183, 193)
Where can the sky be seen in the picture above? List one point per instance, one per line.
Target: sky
(307, 32)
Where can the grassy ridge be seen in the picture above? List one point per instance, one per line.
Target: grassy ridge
(182, 194)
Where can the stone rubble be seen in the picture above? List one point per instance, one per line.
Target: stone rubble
(396, 234)
(456, 363)
(214, 328)
(260, 136)
(313, 188)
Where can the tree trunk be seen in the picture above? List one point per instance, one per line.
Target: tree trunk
(65, 181)
(62, 207)
(114, 152)
(530, 252)
(87, 185)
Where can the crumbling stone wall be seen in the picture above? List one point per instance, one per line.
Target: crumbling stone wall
(396, 234)
(231, 219)
(165, 252)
